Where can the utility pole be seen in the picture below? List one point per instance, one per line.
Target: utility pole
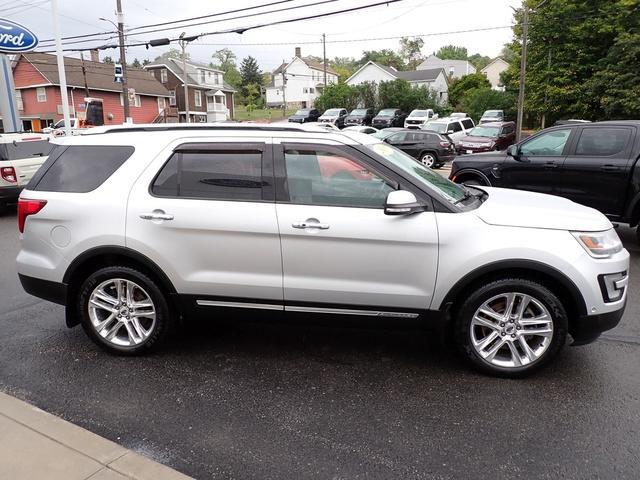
(284, 88)
(84, 76)
(523, 69)
(324, 56)
(123, 61)
(544, 115)
(183, 45)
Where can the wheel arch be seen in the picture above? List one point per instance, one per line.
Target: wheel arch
(467, 172)
(633, 211)
(99, 257)
(557, 281)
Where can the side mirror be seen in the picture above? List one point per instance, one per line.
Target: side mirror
(401, 202)
(449, 132)
(513, 151)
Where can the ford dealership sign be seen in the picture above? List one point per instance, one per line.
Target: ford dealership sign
(14, 38)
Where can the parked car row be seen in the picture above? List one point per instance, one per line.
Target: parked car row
(387, 117)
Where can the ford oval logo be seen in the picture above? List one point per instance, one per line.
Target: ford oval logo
(16, 38)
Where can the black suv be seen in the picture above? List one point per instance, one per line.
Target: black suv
(389, 117)
(429, 148)
(305, 115)
(595, 164)
(359, 116)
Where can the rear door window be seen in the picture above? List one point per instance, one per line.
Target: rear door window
(79, 168)
(215, 175)
(602, 142)
(468, 123)
(455, 126)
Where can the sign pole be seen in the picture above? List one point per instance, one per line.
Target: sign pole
(61, 72)
(8, 108)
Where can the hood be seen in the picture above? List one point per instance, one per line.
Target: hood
(422, 119)
(382, 119)
(299, 117)
(474, 139)
(517, 208)
(328, 117)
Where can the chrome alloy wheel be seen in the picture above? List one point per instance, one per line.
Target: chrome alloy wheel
(121, 312)
(428, 160)
(511, 330)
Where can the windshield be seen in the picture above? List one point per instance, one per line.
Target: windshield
(492, 113)
(387, 113)
(436, 127)
(490, 132)
(449, 190)
(23, 150)
(304, 111)
(359, 111)
(332, 112)
(419, 113)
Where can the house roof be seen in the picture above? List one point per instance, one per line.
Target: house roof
(435, 62)
(310, 63)
(428, 75)
(175, 65)
(99, 75)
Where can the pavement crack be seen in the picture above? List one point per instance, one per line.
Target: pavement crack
(627, 340)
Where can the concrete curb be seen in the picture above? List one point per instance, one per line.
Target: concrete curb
(36, 444)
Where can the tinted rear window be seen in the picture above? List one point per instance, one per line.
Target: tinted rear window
(602, 142)
(21, 150)
(79, 168)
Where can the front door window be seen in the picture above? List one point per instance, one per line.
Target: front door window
(545, 145)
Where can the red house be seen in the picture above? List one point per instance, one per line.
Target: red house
(38, 91)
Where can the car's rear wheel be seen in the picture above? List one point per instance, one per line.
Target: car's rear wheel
(510, 327)
(123, 311)
(428, 159)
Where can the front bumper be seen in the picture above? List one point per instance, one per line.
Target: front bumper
(463, 150)
(587, 328)
(10, 194)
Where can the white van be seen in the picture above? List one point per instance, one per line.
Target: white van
(21, 155)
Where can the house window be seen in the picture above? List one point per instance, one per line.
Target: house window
(163, 75)
(41, 94)
(305, 90)
(161, 104)
(19, 99)
(203, 77)
(172, 98)
(136, 103)
(198, 98)
(311, 90)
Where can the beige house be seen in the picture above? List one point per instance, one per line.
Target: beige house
(493, 71)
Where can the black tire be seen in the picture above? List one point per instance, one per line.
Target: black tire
(163, 319)
(485, 291)
(638, 233)
(473, 181)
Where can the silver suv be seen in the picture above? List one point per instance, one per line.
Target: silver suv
(133, 228)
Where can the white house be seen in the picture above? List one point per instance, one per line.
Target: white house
(453, 68)
(493, 71)
(300, 81)
(373, 72)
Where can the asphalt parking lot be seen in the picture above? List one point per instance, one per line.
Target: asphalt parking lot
(252, 400)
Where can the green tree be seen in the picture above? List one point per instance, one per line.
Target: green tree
(172, 53)
(411, 51)
(250, 73)
(339, 95)
(384, 57)
(458, 87)
(452, 52)
(477, 100)
(226, 62)
(396, 94)
(108, 60)
(136, 63)
(479, 61)
(368, 95)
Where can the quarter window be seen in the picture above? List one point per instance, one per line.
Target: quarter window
(215, 175)
(548, 144)
(468, 123)
(602, 142)
(319, 177)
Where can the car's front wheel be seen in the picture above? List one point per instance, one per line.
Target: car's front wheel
(510, 327)
(428, 159)
(123, 310)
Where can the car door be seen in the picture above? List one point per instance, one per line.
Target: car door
(537, 167)
(457, 132)
(340, 252)
(596, 171)
(205, 214)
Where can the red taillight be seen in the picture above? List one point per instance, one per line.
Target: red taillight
(445, 144)
(28, 207)
(9, 174)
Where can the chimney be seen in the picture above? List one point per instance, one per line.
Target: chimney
(298, 52)
(94, 56)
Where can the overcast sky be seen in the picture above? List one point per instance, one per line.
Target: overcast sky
(348, 34)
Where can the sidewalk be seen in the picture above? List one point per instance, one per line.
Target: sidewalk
(36, 445)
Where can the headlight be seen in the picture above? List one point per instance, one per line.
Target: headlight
(599, 244)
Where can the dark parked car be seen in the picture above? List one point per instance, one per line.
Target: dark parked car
(429, 148)
(389, 117)
(359, 116)
(595, 164)
(492, 116)
(305, 115)
(488, 137)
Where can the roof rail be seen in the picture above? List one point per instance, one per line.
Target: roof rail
(204, 126)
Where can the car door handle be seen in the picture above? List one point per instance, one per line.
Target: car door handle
(609, 168)
(551, 165)
(156, 216)
(311, 223)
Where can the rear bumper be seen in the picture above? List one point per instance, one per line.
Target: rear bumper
(588, 328)
(52, 291)
(9, 194)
